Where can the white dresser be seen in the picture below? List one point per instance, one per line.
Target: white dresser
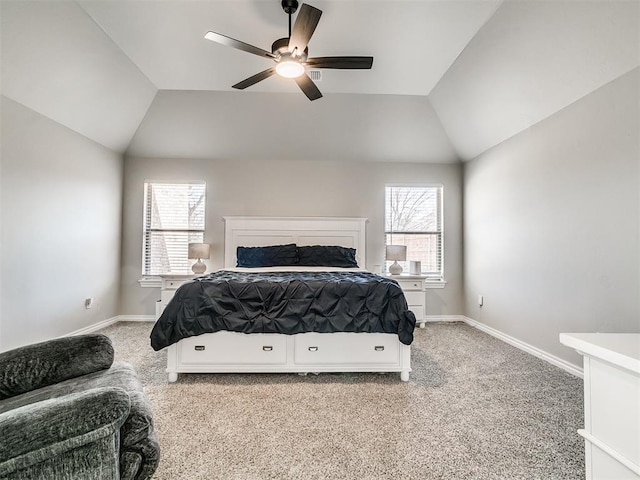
(611, 403)
(413, 287)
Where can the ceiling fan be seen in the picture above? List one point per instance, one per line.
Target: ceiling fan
(291, 53)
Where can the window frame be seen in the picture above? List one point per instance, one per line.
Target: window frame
(153, 279)
(435, 277)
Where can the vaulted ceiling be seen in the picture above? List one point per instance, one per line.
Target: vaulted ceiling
(451, 78)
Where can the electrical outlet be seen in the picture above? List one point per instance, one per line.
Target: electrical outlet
(480, 300)
(88, 303)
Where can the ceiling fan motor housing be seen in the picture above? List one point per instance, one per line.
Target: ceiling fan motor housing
(280, 48)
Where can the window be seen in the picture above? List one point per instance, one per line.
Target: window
(173, 218)
(413, 217)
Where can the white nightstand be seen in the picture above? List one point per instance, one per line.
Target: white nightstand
(170, 283)
(413, 287)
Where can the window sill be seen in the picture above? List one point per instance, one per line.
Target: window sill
(434, 283)
(150, 282)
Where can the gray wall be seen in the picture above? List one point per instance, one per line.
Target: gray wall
(551, 224)
(61, 202)
(252, 125)
(290, 188)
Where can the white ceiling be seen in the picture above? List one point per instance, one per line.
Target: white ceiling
(450, 79)
(532, 59)
(413, 42)
(57, 62)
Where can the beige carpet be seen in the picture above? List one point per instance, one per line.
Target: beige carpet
(475, 408)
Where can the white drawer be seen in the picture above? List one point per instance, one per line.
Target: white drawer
(339, 348)
(233, 348)
(414, 298)
(605, 467)
(173, 284)
(410, 284)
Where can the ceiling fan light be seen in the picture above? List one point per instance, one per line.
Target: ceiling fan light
(289, 69)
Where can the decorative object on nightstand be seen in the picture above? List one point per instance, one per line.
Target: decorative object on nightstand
(199, 251)
(415, 267)
(395, 253)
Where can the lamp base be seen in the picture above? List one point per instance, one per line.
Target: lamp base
(395, 268)
(199, 267)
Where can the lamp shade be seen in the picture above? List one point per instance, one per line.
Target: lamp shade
(199, 250)
(397, 252)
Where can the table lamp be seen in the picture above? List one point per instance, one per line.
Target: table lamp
(199, 251)
(395, 253)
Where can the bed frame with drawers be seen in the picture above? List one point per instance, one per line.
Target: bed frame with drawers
(232, 352)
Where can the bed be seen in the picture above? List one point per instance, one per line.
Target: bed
(202, 333)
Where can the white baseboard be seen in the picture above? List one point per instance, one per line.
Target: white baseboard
(444, 318)
(93, 328)
(535, 351)
(110, 321)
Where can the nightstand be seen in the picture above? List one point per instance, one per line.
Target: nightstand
(170, 283)
(413, 287)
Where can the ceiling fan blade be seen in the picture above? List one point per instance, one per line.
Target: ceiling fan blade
(308, 87)
(258, 77)
(306, 22)
(340, 62)
(231, 42)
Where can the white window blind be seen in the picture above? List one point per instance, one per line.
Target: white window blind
(413, 217)
(173, 218)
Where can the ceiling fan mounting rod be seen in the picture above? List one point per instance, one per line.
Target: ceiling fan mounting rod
(289, 7)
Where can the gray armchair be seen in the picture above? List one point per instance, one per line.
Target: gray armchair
(68, 412)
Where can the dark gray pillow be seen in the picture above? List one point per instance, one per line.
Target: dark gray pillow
(327, 256)
(271, 256)
(41, 364)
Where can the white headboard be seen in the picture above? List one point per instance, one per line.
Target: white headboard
(303, 231)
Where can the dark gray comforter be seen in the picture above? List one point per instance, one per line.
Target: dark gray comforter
(285, 302)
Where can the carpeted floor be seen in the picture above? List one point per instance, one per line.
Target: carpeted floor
(475, 408)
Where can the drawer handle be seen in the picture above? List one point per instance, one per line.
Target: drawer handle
(199, 348)
(267, 348)
(313, 349)
(379, 348)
